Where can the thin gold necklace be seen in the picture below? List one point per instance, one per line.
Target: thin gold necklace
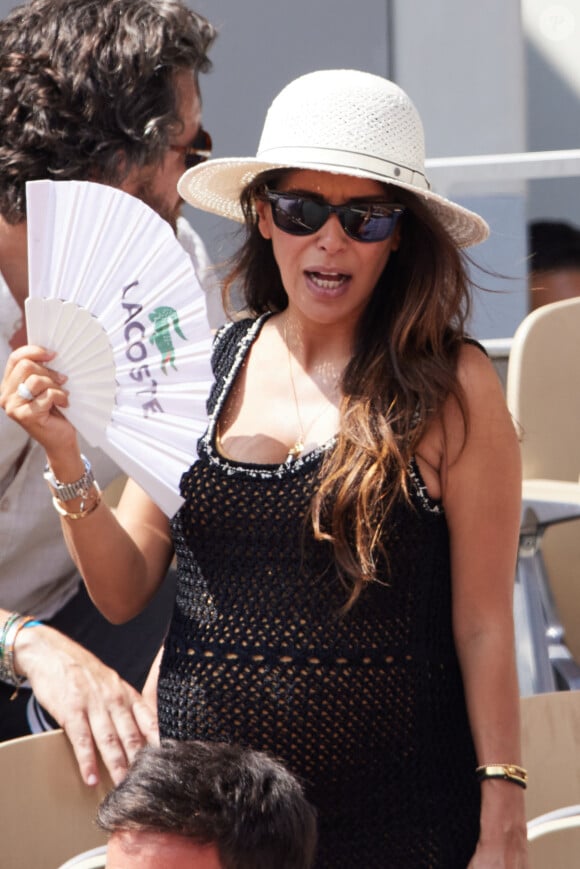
(297, 448)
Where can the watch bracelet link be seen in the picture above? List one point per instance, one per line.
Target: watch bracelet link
(77, 489)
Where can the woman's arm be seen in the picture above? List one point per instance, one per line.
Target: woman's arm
(122, 556)
(481, 485)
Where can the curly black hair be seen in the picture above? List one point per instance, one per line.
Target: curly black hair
(86, 88)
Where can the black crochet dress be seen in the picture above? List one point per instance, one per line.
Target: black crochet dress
(368, 709)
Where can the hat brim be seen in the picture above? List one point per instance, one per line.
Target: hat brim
(216, 186)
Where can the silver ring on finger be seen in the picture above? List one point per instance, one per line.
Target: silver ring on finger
(24, 392)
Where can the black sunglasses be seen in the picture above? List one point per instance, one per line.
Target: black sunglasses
(197, 151)
(298, 214)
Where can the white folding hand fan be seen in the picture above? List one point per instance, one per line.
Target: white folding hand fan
(112, 291)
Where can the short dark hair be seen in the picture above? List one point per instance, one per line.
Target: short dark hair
(245, 803)
(553, 244)
(86, 88)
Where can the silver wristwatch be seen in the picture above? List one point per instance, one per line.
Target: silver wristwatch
(68, 491)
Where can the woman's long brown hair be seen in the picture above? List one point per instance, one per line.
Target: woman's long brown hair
(402, 371)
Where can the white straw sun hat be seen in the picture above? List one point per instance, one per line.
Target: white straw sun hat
(342, 121)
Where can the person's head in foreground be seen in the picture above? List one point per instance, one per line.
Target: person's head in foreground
(103, 91)
(207, 806)
(344, 232)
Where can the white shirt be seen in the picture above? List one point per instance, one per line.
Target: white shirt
(37, 575)
(194, 246)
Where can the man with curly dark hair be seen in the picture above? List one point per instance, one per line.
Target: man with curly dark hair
(104, 90)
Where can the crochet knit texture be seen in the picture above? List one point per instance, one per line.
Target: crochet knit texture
(367, 708)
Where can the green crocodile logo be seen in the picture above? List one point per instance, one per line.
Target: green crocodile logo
(163, 319)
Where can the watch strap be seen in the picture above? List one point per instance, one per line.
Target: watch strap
(67, 491)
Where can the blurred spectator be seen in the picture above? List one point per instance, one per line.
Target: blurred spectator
(554, 271)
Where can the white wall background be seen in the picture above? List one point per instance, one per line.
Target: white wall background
(552, 39)
(463, 64)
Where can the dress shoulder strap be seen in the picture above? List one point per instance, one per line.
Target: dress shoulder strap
(475, 343)
(225, 344)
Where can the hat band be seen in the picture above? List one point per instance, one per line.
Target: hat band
(345, 161)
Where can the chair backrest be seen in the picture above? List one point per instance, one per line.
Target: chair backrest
(551, 750)
(558, 848)
(47, 813)
(551, 754)
(543, 390)
(543, 395)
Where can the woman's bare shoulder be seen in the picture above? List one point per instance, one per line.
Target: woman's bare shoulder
(477, 376)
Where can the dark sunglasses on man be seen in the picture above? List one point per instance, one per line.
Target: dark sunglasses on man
(197, 151)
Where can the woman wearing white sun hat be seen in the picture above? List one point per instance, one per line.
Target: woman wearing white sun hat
(348, 539)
